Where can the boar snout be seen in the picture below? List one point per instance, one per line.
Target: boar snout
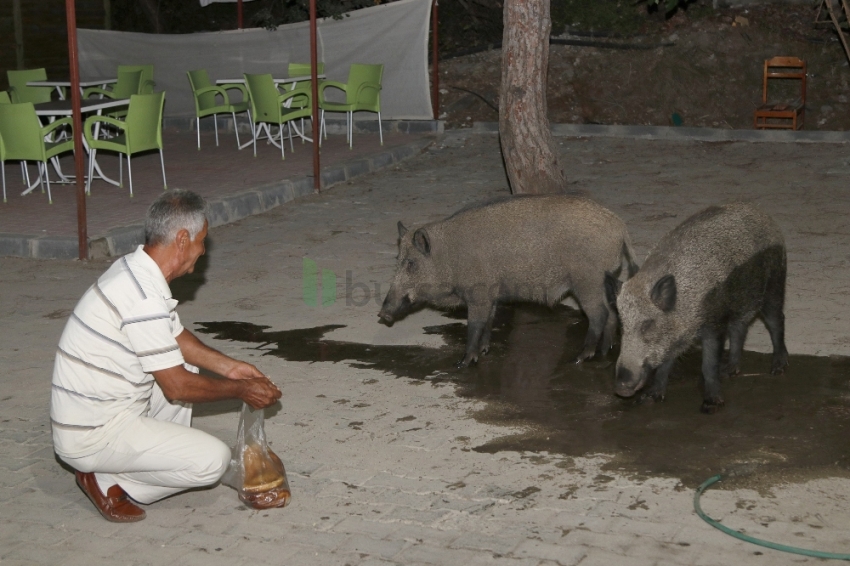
(627, 383)
(393, 310)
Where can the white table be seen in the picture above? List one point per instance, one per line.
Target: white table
(63, 107)
(56, 108)
(59, 85)
(277, 82)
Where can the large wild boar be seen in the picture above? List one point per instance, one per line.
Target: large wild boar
(523, 248)
(707, 279)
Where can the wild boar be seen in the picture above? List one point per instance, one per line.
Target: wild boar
(707, 279)
(523, 248)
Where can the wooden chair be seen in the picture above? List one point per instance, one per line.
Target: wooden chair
(782, 115)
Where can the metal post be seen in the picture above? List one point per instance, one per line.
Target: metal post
(79, 150)
(314, 75)
(239, 14)
(435, 62)
(19, 32)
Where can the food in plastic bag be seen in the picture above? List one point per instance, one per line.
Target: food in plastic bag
(256, 472)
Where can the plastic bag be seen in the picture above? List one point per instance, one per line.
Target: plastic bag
(256, 472)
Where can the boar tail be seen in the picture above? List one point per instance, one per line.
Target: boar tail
(629, 254)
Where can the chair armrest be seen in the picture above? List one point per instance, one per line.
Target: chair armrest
(92, 120)
(331, 84)
(97, 90)
(13, 94)
(242, 88)
(293, 94)
(66, 121)
(147, 87)
(216, 89)
(366, 86)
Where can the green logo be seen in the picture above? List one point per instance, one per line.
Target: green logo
(310, 277)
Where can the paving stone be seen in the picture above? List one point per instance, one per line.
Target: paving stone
(427, 554)
(360, 544)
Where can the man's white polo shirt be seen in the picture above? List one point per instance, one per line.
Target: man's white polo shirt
(123, 328)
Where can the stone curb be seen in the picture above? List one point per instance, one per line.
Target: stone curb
(333, 125)
(681, 134)
(123, 240)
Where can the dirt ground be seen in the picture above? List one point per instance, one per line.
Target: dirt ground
(704, 65)
(387, 469)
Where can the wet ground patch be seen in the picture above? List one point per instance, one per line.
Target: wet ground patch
(789, 427)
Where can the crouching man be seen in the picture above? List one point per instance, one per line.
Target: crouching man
(125, 379)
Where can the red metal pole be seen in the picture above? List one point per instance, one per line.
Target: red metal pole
(239, 13)
(79, 150)
(435, 62)
(314, 61)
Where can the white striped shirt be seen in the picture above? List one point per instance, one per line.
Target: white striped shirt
(123, 328)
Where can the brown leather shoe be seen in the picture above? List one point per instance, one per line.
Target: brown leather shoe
(115, 506)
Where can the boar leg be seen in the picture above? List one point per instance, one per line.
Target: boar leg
(478, 319)
(597, 315)
(737, 336)
(484, 342)
(658, 387)
(774, 320)
(610, 331)
(712, 347)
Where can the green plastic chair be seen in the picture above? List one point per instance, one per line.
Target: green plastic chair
(147, 84)
(206, 102)
(5, 99)
(141, 131)
(19, 90)
(362, 93)
(269, 106)
(303, 69)
(129, 83)
(24, 138)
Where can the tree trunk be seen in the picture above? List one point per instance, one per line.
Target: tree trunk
(528, 147)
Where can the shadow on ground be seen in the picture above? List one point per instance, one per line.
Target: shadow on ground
(791, 427)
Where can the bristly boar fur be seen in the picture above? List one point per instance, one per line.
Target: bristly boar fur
(707, 279)
(523, 248)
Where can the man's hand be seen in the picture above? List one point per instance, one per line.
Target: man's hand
(177, 384)
(242, 370)
(260, 392)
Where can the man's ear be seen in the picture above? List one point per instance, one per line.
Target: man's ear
(182, 239)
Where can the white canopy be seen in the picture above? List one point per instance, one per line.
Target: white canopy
(395, 34)
(208, 2)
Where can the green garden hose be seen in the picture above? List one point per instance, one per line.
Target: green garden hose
(784, 548)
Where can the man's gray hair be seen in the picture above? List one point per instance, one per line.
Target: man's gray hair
(173, 211)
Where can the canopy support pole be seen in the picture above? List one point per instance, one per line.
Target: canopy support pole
(314, 75)
(79, 150)
(435, 62)
(239, 14)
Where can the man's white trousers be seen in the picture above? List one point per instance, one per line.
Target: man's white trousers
(158, 455)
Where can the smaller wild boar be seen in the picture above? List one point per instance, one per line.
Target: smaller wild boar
(522, 248)
(707, 279)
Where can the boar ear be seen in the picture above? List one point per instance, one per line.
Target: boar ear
(401, 230)
(612, 290)
(663, 294)
(422, 242)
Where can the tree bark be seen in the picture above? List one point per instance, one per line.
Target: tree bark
(528, 147)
